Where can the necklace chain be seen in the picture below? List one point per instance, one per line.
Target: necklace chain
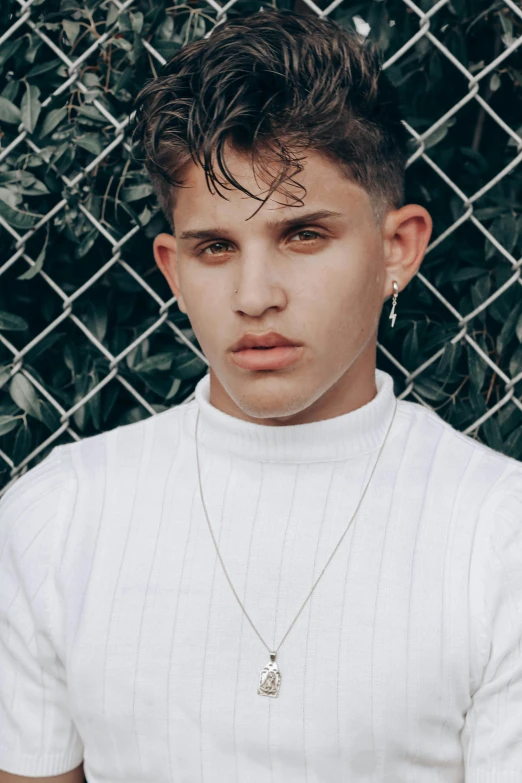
(327, 562)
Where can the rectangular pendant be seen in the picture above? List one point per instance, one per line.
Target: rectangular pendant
(270, 679)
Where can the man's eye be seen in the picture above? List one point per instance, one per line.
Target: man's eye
(213, 245)
(307, 231)
(298, 233)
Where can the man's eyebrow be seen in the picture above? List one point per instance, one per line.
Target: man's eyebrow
(310, 217)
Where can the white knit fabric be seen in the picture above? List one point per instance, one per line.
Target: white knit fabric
(122, 643)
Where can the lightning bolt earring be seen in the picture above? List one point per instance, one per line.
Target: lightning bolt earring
(393, 315)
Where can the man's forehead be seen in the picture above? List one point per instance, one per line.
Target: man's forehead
(326, 189)
(257, 179)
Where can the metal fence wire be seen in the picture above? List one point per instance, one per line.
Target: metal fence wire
(76, 359)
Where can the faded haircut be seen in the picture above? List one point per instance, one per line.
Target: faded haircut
(272, 85)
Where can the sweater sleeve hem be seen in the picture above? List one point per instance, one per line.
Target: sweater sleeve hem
(38, 765)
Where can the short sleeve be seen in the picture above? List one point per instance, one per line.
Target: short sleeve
(37, 735)
(492, 735)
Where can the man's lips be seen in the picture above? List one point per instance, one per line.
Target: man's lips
(269, 339)
(275, 358)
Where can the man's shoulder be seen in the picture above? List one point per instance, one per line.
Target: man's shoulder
(125, 443)
(76, 477)
(459, 448)
(66, 464)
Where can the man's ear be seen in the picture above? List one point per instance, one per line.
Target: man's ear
(165, 253)
(406, 233)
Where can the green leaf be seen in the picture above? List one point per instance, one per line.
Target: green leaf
(63, 156)
(161, 361)
(137, 21)
(31, 51)
(31, 107)
(465, 273)
(5, 373)
(135, 192)
(12, 323)
(91, 79)
(124, 22)
(513, 443)
(38, 264)
(94, 404)
(110, 394)
(137, 354)
(122, 43)
(95, 318)
(480, 292)
(8, 423)
(507, 333)
(10, 90)
(38, 70)
(158, 382)
(430, 389)
(492, 432)
(48, 415)
(410, 348)
(176, 383)
(52, 119)
(518, 329)
(477, 368)
(144, 216)
(44, 345)
(505, 231)
(24, 395)
(23, 443)
(124, 79)
(494, 82)
(17, 217)
(113, 13)
(87, 242)
(448, 360)
(515, 363)
(440, 133)
(10, 197)
(9, 112)
(9, 48)
(80, 416)
(71, 30)
(92, 113)
(70, 357)
(22, 182)
(90, 142)
(188, 367)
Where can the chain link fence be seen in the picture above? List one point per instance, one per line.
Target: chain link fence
(90, 336)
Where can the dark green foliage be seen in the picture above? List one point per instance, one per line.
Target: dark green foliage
(85, 277)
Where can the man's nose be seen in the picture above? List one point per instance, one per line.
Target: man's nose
(259, 287)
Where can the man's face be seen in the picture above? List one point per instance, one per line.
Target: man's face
(321, 283)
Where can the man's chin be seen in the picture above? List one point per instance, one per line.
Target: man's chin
(274, 399)
(263, 395)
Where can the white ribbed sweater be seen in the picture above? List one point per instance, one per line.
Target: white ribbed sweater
(121, 641)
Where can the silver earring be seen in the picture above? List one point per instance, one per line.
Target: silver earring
(393, 315)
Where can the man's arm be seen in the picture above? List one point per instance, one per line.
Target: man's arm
(38, 736)
(74, 776)
(492, 734)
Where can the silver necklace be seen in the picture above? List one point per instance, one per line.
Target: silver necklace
(270, 677)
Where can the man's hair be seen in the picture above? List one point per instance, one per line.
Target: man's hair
(270, 85)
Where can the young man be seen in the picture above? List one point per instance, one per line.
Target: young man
(296, 576)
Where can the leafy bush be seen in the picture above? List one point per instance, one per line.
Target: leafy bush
(90, 335)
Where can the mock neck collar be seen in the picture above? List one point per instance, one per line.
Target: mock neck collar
(337, 438)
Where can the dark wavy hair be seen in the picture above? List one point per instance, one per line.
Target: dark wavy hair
(271, 85)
